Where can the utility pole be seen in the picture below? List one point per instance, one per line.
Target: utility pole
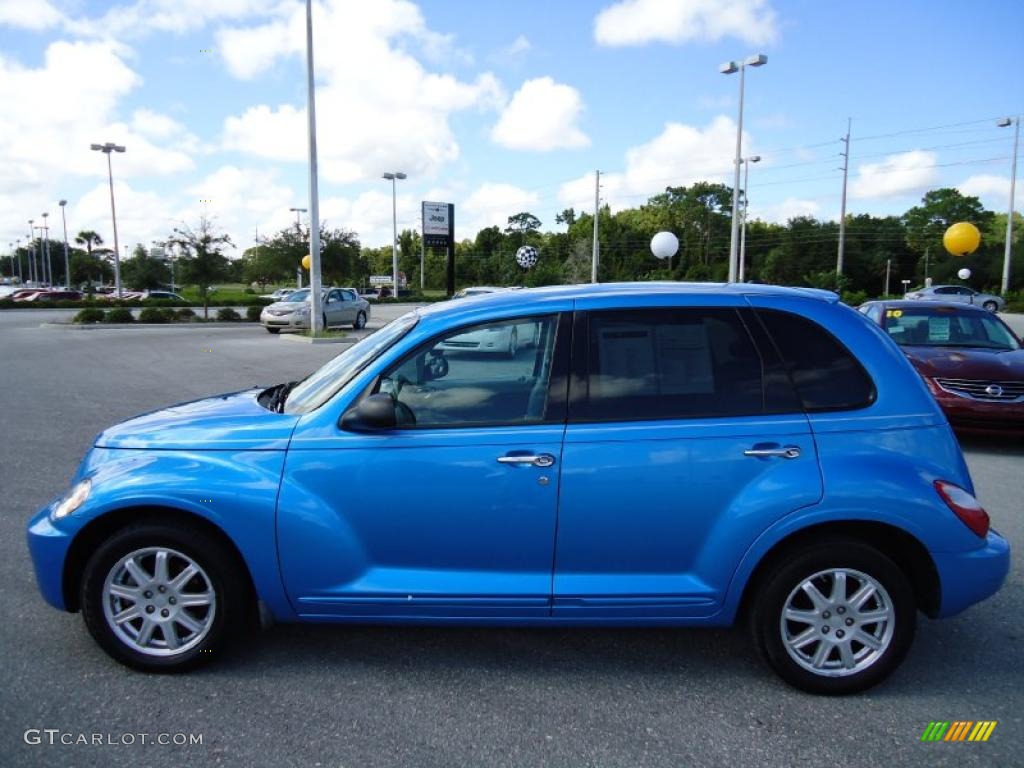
(1008, 253)
(842, 205)
(597, 216)
(888, 268)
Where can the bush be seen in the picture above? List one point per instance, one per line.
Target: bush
(227, 314)
(89, 315)
(154, 315)
(252, 312)
(184, 313)
(119, 315)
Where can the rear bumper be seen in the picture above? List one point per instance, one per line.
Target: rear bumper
(970, 577)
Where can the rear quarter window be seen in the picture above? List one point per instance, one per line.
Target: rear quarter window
(825, 373)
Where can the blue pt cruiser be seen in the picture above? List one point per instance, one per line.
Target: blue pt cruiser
(656, 454)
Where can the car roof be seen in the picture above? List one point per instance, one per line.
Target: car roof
(517, 299)
(911, 304)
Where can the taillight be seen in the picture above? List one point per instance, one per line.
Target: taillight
(964, 506)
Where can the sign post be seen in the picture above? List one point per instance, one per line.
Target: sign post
(439, 232)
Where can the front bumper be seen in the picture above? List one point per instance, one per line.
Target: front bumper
(48, 545)
(979, 415)
(970, 577)
(286, 322)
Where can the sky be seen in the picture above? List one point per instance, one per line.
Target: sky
(497, 107)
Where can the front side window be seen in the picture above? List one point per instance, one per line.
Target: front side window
(670, 364)
(494, 374)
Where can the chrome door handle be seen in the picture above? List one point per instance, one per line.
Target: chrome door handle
(540, 460)
(788, 452)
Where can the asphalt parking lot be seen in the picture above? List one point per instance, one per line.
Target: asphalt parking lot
(375, 696)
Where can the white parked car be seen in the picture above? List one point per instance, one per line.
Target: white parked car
(958, 294)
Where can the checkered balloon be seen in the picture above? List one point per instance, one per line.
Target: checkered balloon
(526, 257)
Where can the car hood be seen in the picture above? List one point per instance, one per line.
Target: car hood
(227, 422)
(291, 306)
(967, 362)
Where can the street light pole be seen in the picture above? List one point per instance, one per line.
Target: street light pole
(314, 199)
(746, 200)
(298, 231)
(107, 149)
(393, 178)
(729, 68)
(40, 270)
(67, 267)
(48, 269)
(30, 252)
(1008, 252)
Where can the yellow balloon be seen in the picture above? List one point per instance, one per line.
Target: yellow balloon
(962, 238)
(305, 261)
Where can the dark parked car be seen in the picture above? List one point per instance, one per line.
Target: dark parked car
(970, 359)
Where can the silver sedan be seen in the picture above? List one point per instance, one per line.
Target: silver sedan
(958, 294)
(340, 306)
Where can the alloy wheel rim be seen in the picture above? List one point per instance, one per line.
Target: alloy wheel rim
(159, 601)
(837, 622)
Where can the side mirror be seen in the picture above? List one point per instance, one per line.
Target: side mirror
(374, 412)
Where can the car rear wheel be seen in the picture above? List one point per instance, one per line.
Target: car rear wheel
(360, 322)
(162, 597)
(991, 306)
(836, 617)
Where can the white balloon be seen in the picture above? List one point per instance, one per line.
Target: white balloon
(964, 274)
(664, 245)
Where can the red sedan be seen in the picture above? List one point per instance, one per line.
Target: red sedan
(971, 360)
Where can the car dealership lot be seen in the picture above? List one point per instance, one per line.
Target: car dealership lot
(387, 696)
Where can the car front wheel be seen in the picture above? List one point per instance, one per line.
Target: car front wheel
(835, 618)
(360, 322)
(272, 330)
(162, 597)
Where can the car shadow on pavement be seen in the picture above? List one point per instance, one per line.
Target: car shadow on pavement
(1003, 445)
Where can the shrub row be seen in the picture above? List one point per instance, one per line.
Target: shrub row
(159, 315)
(105, 304)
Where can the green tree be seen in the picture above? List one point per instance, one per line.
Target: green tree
(144, 271)
(88, 238)
(202, 258)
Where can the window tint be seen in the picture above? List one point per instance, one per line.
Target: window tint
(670, 363)
(826, 375)
(494, 374)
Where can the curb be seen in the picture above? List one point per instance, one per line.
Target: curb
(126, 326)
(317, 340)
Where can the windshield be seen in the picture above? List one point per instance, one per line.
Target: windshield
(302, 295)
(948, 327)
(320, 386)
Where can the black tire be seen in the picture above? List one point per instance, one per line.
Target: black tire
(991, 306)
(273, 330)
(324, 327)
(360, 322)
(786, 577)
(232, 609)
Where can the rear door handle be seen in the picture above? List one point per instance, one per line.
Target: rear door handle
(540, 460)
(783, 452)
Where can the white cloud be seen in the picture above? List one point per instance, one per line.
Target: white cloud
(175, 16)
(520, 45)
(637, 22)
(541, 116)
(679, 155)
(29, 14)
(783, 211)
(491, 204)
(393, 115)
(142, 216)
(899, 174)
(993, 190)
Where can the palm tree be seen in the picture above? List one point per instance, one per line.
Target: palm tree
(88, 238)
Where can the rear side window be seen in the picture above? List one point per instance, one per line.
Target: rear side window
(669, 364)
(826, 375)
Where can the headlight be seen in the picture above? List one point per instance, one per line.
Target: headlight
(73, 500)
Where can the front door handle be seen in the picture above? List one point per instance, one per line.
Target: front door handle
(786, 452)
(540, 460)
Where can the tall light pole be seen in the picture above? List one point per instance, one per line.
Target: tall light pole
(842, 205)
(48, 268)
(40, 272)
(758, 60)
(1006, 122)
(298, 231)
(393, 178)
(746, 200)
(107, 149)
(17, 249)
(67, 267)
(314, 198)
(31, 253)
